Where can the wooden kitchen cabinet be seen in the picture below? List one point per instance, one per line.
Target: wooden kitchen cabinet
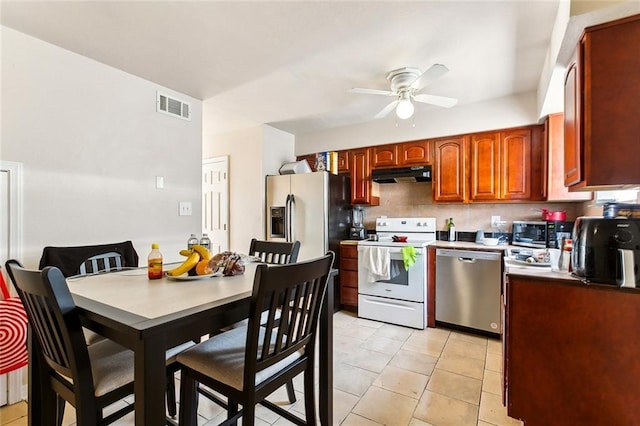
(602, 89)
(501, 165)
(343, 161)
(363, 189)
(384, 156)
(449, 172)
(349, 275)
(570, 352)
(414, 153)
(556, 190)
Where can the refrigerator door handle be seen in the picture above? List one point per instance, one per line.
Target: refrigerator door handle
(287, 218)
(292, 215)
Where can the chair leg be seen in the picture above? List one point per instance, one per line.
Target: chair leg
(291, 393)
(232, 410)
(188, 401)
(60, 410)
(309, 396)
(171, 395)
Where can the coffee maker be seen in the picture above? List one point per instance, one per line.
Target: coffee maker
(607, 251)
(357, 230)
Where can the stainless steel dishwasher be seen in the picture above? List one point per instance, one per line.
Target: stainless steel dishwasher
(468, 288)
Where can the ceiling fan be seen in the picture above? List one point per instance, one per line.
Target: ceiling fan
(405, 85)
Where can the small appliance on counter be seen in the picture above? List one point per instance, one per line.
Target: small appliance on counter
(357, 230)
(540, 234)
(607, 251)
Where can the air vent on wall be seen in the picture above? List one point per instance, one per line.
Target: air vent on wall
(173, 106)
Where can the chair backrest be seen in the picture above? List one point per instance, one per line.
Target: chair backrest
(291, 296)
(275, 252)
(55, 322)
(89, 259)
(105, 262)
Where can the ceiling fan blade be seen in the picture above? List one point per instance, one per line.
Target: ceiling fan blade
(432, 74)
(371, 91)
(386, 110)
(441, 101)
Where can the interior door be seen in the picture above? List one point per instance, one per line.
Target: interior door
(215, 202)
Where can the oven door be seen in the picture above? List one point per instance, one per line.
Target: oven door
(402, 284)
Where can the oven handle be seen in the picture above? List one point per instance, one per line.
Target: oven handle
(393, 250)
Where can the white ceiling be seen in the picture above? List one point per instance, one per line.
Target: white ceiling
(289, 64)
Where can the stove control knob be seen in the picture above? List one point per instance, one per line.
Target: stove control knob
(383, 223)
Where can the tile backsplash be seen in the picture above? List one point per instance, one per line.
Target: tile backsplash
(415, 200)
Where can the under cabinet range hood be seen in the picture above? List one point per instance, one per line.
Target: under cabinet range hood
(402, 174)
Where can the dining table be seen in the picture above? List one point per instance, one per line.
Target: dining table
(151, 316)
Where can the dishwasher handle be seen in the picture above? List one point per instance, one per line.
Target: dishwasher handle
(468, 256)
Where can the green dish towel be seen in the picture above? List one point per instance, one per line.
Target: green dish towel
(409, 256)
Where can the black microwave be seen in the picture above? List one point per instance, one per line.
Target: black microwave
(540, 234)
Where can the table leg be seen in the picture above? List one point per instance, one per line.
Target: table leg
(326, 358)
(150, 382)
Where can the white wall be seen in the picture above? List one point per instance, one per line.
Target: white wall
(253, 153)
(430, 122)
(92, 144)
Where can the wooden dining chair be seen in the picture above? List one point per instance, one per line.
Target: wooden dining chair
(89, 377)
(275, 252)
(279, 253)
(99, 258)
(249, 363)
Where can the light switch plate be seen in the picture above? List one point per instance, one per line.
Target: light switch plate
(184, 208)
(159, 182)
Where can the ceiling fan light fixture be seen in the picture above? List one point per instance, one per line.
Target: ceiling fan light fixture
(405, 108)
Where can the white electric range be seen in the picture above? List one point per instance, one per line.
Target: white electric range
(387, 291)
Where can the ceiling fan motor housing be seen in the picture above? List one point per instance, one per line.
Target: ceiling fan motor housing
(402, 78)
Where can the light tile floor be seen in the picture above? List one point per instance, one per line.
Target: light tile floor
(386, 375)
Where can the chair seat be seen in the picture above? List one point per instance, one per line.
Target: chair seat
(222, 358)
(112, 364)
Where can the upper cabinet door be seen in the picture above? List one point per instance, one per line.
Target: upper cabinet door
(556, 190)
(343, 162)
(414, 153)
(363, 189)
(449, 180)
(572, 149)
(515, 165)
(384, 156)
(485, 167)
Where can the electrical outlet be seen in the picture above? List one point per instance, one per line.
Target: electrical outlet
(184, 208)
(494, 221)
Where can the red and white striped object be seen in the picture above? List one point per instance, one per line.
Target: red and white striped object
(13, 331)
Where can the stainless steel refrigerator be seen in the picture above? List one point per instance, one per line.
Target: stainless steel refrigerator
(313, 208)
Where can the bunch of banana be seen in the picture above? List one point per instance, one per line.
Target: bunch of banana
(196, 256)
